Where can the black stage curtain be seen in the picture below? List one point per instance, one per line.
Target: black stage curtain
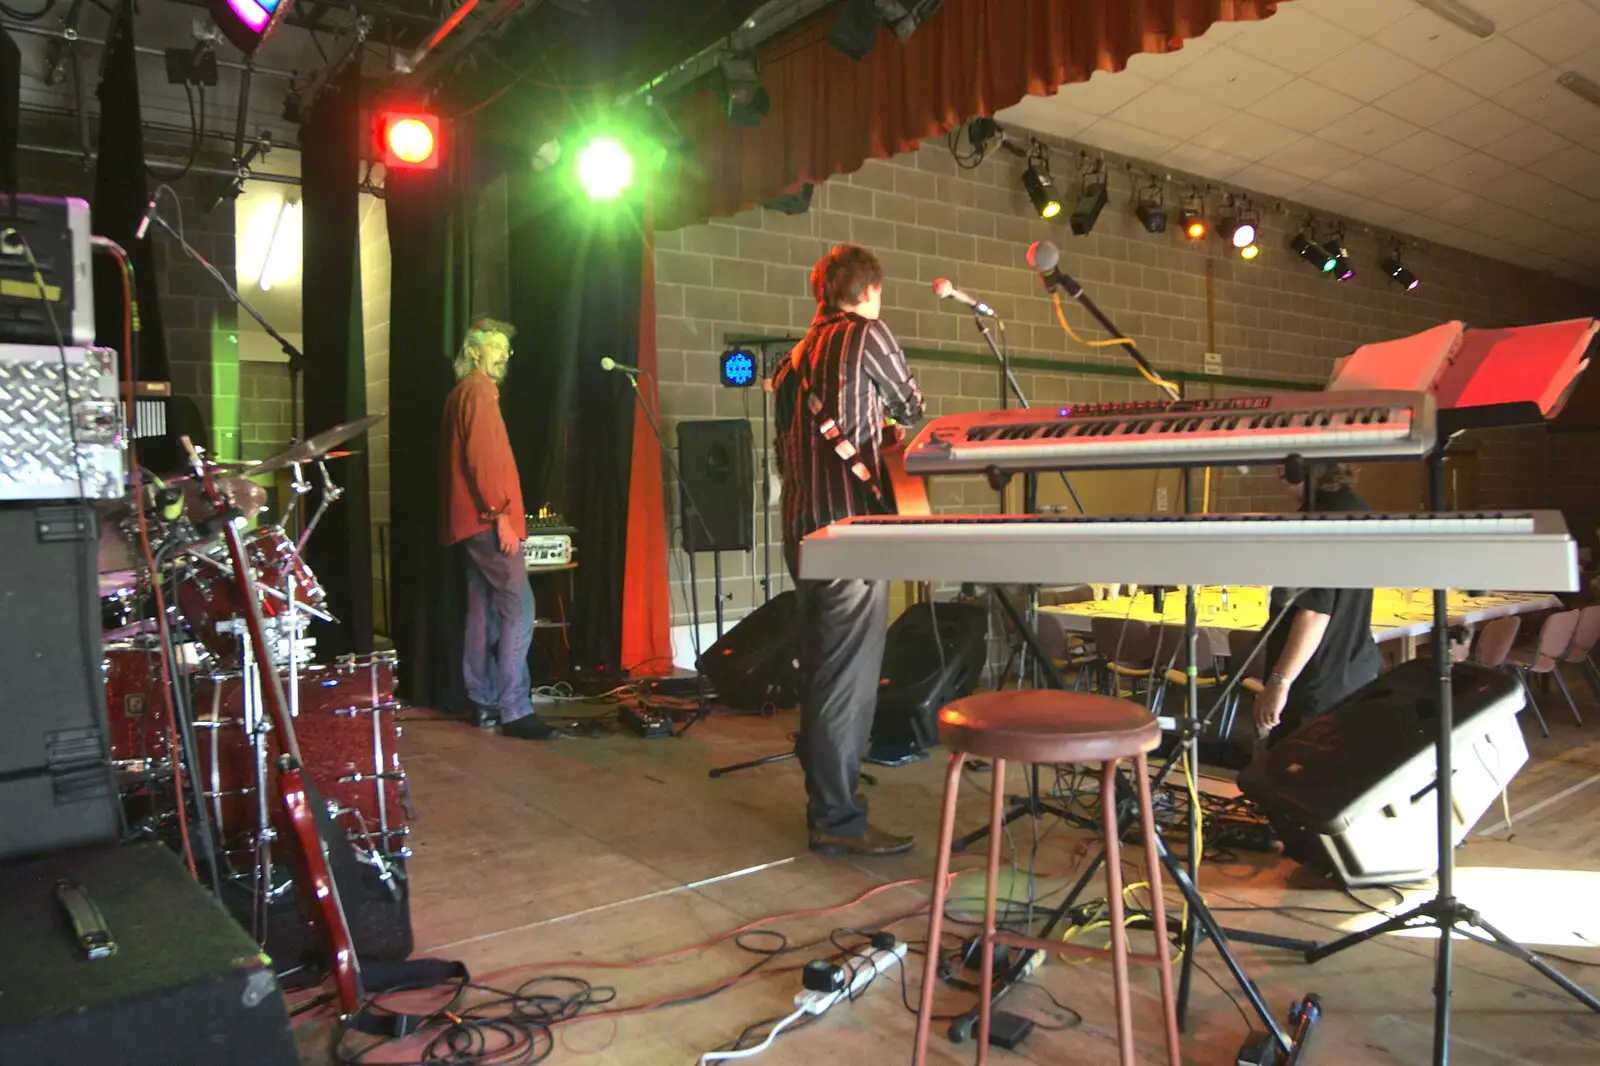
(340, 550)
(120, 194)
(576, 269)
(430, 247)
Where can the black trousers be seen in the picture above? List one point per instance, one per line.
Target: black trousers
(843, 626)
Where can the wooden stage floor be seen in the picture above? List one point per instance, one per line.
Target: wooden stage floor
(618, 848)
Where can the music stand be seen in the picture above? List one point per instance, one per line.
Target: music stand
(1444, 911)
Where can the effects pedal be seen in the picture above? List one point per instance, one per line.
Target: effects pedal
(645, 723)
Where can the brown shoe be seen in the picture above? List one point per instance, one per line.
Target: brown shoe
(872, 842)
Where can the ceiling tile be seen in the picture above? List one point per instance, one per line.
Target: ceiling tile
(1426, 38)
(1480, 124)
(1526, 146)
(1258, 177)
(1493, 65)
(1164, 109)
(1564, 31)
(1361, 17)
(1429, 228)
(1418, 194)
(1586, 217)
(1205, 162)
(1427, 100)
(1159, 66)
(1226, 76)
(1104, 92)
(1554, 204)
(1367, 131)
(1303, 105)
(1312, 159)
(1513, 188)
(1378, 213)
(1045, 114)
(1124, 139)
(1423, 152)
(1326, 198)
(1295, 39)
(1509, 13)
(1246, 136)
(1581, 123)
(1366, 72)
(1459, 209)
(1503, 224)
(1472, 170)
(1368, 177)
(1571, 165)
(1537, 98)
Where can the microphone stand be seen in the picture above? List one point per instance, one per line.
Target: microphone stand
(703, 709)
(296, 357)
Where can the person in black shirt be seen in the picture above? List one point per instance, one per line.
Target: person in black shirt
(831, 397)
(1324, 650)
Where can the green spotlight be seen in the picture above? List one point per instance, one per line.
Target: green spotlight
(605, 169)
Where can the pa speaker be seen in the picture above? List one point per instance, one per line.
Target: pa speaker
(934, 654)
(1354, 792)
(716, 494)
(753, 665)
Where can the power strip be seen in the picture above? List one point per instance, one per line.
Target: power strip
(867, 967)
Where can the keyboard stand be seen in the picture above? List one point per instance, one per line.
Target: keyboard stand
(1280, 1045)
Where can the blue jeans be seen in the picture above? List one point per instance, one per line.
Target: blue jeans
(494, 660)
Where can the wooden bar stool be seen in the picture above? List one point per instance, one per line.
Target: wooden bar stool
(1051, 727)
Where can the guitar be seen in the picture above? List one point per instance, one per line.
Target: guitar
(910, 492)
(309, 856)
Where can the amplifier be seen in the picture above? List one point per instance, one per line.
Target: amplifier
(56, 231)
(1353, 792)
(61, 424)
(547, 550)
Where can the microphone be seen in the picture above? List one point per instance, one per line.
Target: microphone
(945, 289)
(144, 219)
(1045, 258)
(609, 363)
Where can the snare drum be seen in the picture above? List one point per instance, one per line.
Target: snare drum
(347, 736)
(135, 711)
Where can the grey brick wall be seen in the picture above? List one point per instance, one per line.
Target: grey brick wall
(926, 218)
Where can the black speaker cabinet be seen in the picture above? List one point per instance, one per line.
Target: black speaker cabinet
(1354, 791)
(185, 986)
(716, 496)
(56, 789)
(935, 653)
(753, 665)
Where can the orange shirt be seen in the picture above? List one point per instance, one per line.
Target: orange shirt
(477, 471)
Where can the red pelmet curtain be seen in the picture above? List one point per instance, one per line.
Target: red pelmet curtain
(646, 599)
(830, 113)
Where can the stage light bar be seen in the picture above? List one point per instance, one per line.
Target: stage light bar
(605, 168)
(1343, 269)
(1192, 216)
(1091, 201)
(1238, 229)
(738, 368)
(1250, 251)
(409, 140)
(1151, 211)
(744, 100)
(247, 23)
(1041, 190)
(1397, 271)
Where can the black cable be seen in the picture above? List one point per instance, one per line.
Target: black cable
(28, 16)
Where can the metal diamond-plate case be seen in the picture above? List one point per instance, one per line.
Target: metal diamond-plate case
(50, 448)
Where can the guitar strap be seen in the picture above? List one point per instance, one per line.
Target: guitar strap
(828, 428)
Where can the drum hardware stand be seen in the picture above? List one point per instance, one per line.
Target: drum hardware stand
(1444, 911)
(256, 729)
(1304, 1016)
(330, 495)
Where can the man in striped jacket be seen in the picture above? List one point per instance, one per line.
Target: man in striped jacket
(833, 396)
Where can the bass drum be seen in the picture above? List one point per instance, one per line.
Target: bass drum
(208, 593)
(347, 735)
(135, 712)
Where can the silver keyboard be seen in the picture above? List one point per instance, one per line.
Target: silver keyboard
(1319, 426)
(1524, 551)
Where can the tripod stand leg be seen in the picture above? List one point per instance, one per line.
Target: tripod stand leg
(1511, 947)
(1399, 921)
(753, 763)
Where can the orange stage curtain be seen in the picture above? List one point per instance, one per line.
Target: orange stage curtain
(646, 599)
(830, 113)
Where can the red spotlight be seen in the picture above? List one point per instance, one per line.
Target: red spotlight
(409, 140)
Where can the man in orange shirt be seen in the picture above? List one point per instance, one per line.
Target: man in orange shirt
(481, 506)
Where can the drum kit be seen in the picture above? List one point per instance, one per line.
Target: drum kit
(201, 665)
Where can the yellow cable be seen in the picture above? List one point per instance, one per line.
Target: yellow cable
(1155, 379)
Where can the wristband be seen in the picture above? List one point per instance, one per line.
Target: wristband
(1277, 679)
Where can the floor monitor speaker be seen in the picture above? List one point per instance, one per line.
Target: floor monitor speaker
(1353, 791)
(754, 666)
(935, 653)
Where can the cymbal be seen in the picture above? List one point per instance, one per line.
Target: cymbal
(312, 448)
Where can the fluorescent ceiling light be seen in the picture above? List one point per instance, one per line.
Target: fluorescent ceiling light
(1582, 86)
(1462, 15)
